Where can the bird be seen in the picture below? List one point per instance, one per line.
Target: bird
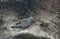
(24, 24)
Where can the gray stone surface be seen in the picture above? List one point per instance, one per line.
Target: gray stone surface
(46, 17)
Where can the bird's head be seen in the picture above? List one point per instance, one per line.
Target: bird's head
(31, 18)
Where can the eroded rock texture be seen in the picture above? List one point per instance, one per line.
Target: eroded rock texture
(46, 23)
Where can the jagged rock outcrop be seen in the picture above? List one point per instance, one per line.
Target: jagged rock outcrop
(46, 19)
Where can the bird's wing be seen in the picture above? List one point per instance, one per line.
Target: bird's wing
(25, 24)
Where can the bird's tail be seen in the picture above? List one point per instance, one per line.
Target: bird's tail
(15, 27)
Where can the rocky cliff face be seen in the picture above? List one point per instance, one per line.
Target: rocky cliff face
(46, 14)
